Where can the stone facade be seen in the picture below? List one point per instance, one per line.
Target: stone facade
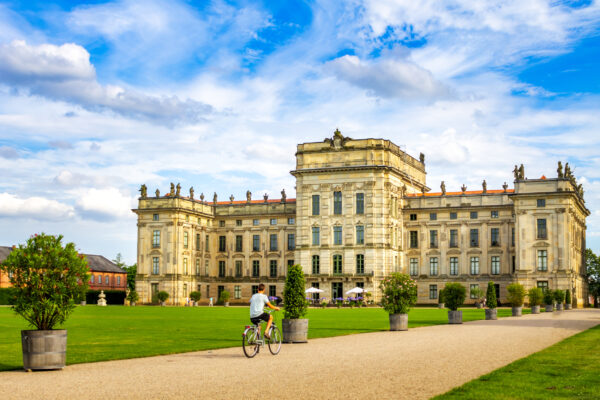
(363, 210)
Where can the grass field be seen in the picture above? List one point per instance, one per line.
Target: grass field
(117, 332)
(566, 370)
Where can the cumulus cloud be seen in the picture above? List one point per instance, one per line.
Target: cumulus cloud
(8, 152)
(104, 204)
(34, 207)
(65, 73)
(389, 78)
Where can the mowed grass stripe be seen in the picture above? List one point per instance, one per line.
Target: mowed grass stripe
(117, 332)
(566, 370)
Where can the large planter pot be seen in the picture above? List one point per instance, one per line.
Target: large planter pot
(44, 349)
(441, 305)
(454, 317)
(549, 308)
(295, 330)
(517, 311)
(491, 314)
(226, 304)
(132, 303)
(479, 305)
(567, 306)
(535, 309)
(398, 322)
(162, 303)
(559, 307)
(83, 302)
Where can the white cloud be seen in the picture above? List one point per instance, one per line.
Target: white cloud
(38, 208)
(105, 204)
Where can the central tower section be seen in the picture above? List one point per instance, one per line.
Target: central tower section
(349, 196)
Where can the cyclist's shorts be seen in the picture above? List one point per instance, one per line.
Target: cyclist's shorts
(262, 317)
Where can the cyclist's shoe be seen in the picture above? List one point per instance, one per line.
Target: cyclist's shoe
(267, 336)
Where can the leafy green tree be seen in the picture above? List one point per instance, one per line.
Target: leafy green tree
(454, 295)
(592, 264)
(399, 293)
(293, 294)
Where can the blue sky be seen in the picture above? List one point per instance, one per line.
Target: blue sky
(99, 97)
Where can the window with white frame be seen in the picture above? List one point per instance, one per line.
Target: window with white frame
(453, 265)
(433, 266)
(414, 266)
(474, 265)
(495, 264)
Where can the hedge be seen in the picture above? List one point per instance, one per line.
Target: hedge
(6, 296)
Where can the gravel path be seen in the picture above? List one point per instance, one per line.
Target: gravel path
(416, 364)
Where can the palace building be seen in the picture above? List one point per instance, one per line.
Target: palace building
(362, 211)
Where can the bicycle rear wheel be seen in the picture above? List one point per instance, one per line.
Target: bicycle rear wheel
(249, 343)
(275, 340)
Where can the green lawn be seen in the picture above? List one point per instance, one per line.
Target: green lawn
(567, 370)
(117, 332)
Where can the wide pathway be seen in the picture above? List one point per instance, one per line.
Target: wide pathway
(416, 364)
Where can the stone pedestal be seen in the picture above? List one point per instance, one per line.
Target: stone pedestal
(102, 299)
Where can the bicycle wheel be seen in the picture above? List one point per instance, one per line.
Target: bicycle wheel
(275, 341)
(249, 343)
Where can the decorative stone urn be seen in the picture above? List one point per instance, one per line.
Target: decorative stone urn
(398, 322)
(83, 302)
(441, 305)
(102, 299)
(491, 314)
(517, 311)
(44, 349)
(559, 307)
(455, 317)
(535, 309)
(294, 330)
(549, 308)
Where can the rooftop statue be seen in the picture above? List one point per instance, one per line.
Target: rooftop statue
(157, 193)
(422, 158)
(521, 172)
(215, 198)
(283, 196)
(192, 193)
(266, 197)
(231, 198)
(559, 170)
(443, 187)
(172, 192)
(248, 196)
(505, 187)
(463, 188)
(484, 186)
(144, 191)
(178, 190)
(516, 172)
(202, 196)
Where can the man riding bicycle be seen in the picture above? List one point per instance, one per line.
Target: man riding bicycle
(257, 307)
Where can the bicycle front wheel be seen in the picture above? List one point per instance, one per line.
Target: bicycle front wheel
(249, 343)
(275, 341)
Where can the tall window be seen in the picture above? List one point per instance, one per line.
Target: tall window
(474, 265)
(360, 264)
(154, 217)
(222, 243)
(273, 268)
(221, 269)
(155, 270)
(453, 237)
(237, 292)
(156, 239)
(316, 267)
(414, 239)
(206, 267)
(495, 261)
(185, 240)
(433, 266)
(291, 241)
(337, 235)
(92, 277)
(337, 264)
(542, 233)
(316, 204)
(206, 243)
(414, 266)
(316, 236)
(337, 203)
(273, 242)
(453, 265)
(107, 280)
(255, 268)
(471, 289)
(360, 203)
(255, 243)
(272, 290)
(360, 234)
(433, 238)
(238, 242)
(512, 237)
(495, 233)
(474, 237)
(542, 260)
(197, 266)
(185, 266)
(238, 268)
(433, 293)
(197, 241)
(118, 280)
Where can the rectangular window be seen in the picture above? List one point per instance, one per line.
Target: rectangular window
(316, 236)
(512, 237)
(255, 268)
(337, 235)
(514, 264)
(156, 239)
(453, 215)
(272, 290)
(185, 266)
(433, 293)
(273, 268)
(197, 242)
(472, 288)
(413, 217)
(221, 269)
(273, 221)
(206, 268)
(360, 234)
(543, 285)
(542, 260)
(255, 243)
(106, 280)
(541, 202)
(360, 203)
(291, 241)
(254, 289)
(474, 237)
(238, 268)
(542, 232)
(453, 237)
(221, 223)
(360, 263)
(185, 240)
(433, 266)
(206, 243)
(474, 265)
(433, 239)
(197, 266)
(315, 296)
(92, 279)
(290, 262)
(414, 239)
(453, 265)
(337, 264)
(238, 222)
(291, 221)
(337, 203)
(316, 204)
(494, 214)
(473, 214)
(238, 242)
(255, 222)
(414, 266)
(100, 279)
(495, 261)
(432, 216)
(273, 242)
(237, 292)
(155, 269)
(495, 234)
(154, 217)
(316, 267)
(222, 243)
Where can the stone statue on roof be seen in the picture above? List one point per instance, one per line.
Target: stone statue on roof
(283, 196)
(202, 196)
(143, 191)
(484, 186)
(443, 187)
(266, 197)
(215, 198)
(505, 187)
(172, 192)
(157, 193)
(178, 190)
(422, 158)
(521, 172)
(463, 188)
(559, 170)
(567, 173)
(192, 193)
(516, 172)
(231, 198)
(248, 196)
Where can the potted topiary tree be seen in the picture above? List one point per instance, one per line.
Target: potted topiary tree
(559, 297)
(549, 300)
(162, 297)
(224, 298)
(516, 297)
(536, 296)
(294, 327)
(454, 297)
(133, 297)
(195, 296)
(491, 312)
(441, 299)
(399, 293)
(47, 278)
(568, 299)
(478, 295)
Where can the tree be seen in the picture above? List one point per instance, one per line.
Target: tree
(131, 271)
(592, 264)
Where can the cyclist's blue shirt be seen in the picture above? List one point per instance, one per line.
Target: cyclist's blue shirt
(257, 304)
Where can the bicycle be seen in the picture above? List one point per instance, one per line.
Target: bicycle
(252, 339)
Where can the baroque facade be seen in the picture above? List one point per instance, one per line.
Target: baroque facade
(362, 211)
